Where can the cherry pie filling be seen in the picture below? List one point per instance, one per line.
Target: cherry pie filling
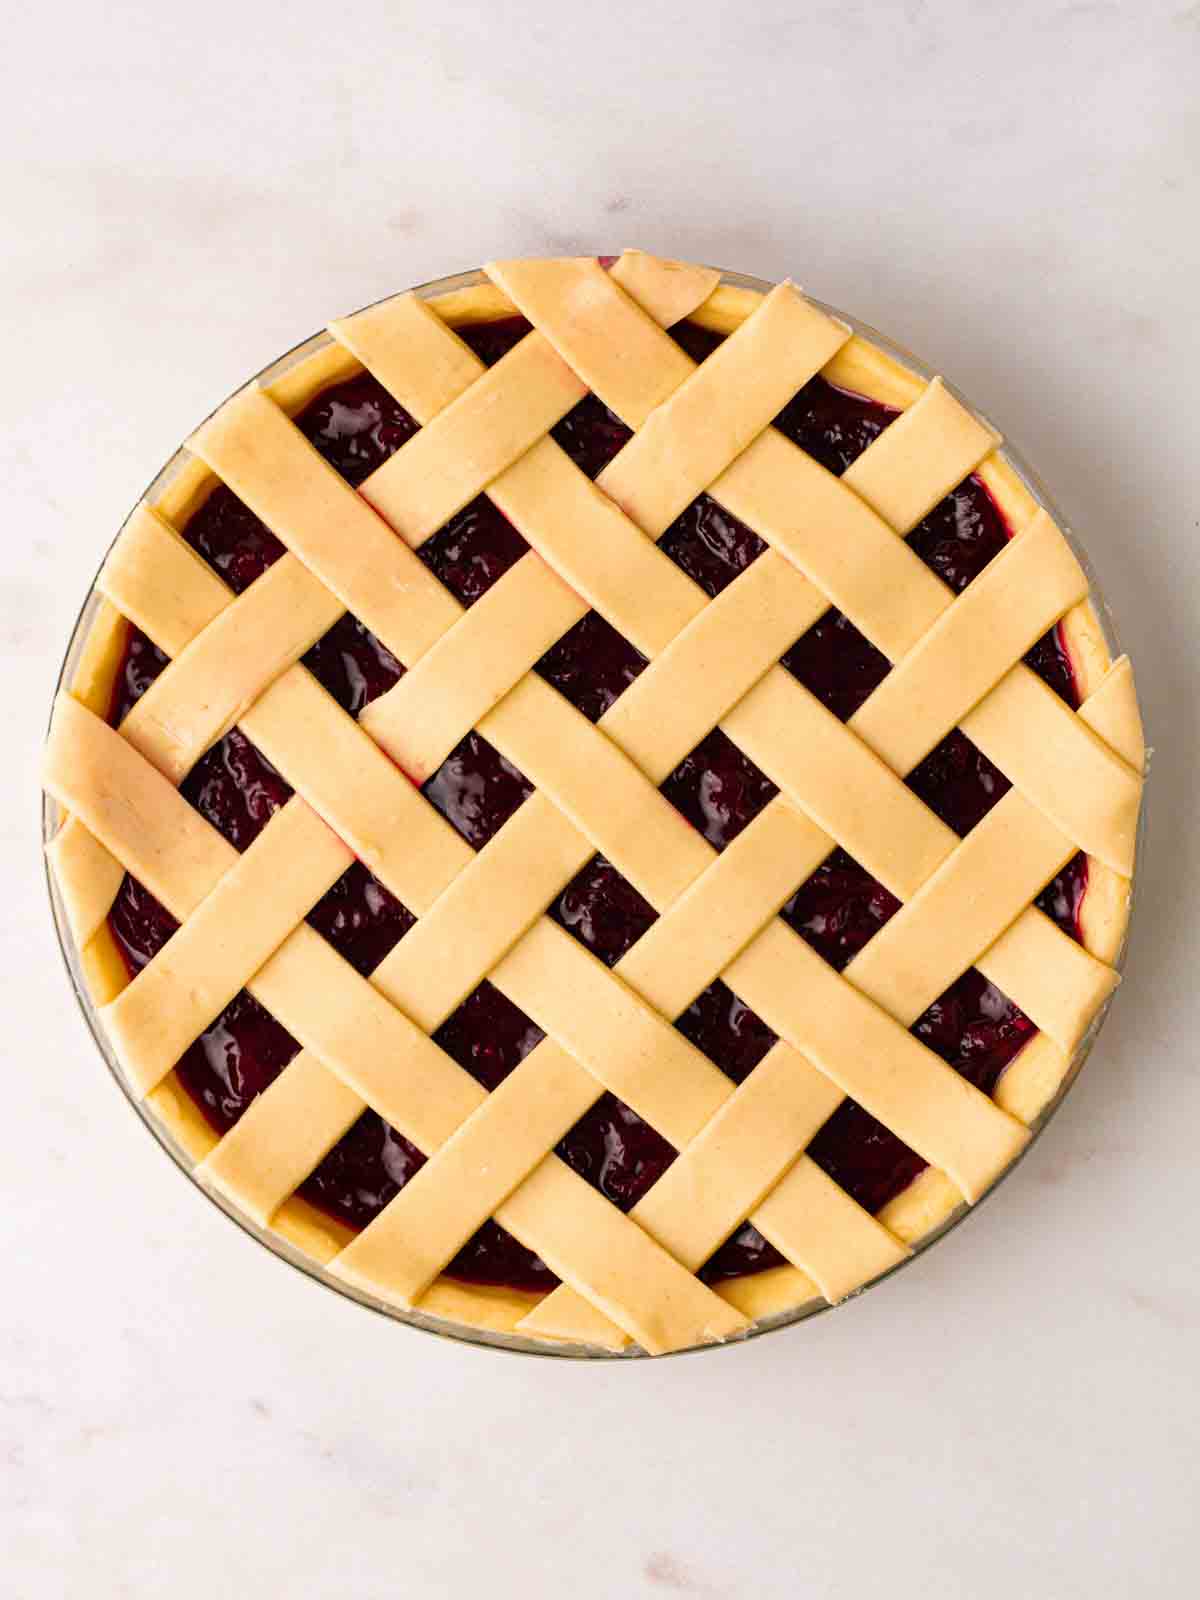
(356, 426)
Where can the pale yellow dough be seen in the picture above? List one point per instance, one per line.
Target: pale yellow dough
(712, 664)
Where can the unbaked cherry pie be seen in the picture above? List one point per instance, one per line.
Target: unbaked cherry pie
(596, 804)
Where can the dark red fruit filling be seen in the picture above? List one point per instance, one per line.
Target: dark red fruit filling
(839, 909)
(591, 665)
(958, 782)
(353, 664)
(232, 539)
(477, 790)
(718, 789)
(837, 664)
(712, 547)
(603, 910)
(591, 435)
(356, 426)
(473, 550)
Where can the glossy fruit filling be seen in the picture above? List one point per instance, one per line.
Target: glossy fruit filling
(356, 426)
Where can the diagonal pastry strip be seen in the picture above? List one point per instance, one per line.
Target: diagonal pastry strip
(222, 944)
(721, 409)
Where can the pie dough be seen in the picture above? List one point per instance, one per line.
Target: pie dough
(713, 664)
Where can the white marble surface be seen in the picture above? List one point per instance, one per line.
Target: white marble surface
(1010, 190)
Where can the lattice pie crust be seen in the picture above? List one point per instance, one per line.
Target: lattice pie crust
(956, 662)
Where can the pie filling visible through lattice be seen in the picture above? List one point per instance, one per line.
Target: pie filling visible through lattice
(650, 812)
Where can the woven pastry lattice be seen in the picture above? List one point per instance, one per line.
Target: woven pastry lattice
(956, 662)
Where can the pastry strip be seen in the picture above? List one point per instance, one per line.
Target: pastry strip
(1018, 596)
(929, 449)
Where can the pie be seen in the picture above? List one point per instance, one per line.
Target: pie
(595, 805)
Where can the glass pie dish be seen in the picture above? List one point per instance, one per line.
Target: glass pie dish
(1034, 1080)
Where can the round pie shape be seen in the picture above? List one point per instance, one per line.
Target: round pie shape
(629, 1282)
